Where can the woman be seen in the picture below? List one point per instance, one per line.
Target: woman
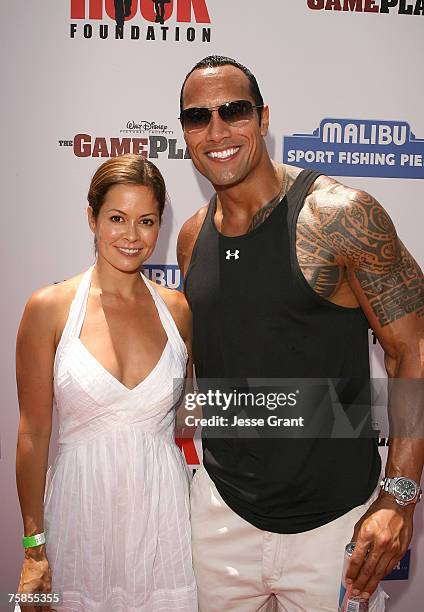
(110, 349)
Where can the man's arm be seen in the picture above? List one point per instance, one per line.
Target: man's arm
(389, 286)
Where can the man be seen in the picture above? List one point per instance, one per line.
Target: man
(285, 270)
(160, 10)
(122, 10)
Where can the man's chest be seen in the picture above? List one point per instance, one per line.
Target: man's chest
(314, 254)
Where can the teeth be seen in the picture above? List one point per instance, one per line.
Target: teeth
(223, 154)
(129, 251)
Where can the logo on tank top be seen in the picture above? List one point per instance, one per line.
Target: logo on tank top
(230, 255)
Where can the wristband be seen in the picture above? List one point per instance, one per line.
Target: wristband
(34, 540)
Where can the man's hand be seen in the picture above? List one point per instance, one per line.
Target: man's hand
(382, 538)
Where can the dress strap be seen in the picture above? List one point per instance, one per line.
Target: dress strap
(76, 314)
(80, 300)
(167, 320)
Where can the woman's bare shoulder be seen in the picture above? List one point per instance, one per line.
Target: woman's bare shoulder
(172, 297)
(177, 305)
(54, 297)
(47, 308)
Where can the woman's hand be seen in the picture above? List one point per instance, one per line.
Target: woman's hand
(35, 576)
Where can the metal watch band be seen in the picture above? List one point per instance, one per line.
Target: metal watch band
(387, 484)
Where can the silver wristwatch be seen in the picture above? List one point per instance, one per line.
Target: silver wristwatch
(405, 490)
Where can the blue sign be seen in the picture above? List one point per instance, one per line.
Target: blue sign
(401, 571)
(168, 275)
(358, 147)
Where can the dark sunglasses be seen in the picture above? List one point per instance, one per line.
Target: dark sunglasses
(234, 113)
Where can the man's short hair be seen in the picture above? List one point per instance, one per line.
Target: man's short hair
(215, 61)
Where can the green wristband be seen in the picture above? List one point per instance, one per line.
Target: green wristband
(34, 540)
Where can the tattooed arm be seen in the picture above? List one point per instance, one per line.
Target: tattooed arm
(389, 286)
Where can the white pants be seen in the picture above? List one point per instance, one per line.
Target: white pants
(243, 569)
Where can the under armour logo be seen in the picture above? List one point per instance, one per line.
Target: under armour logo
(236, 254)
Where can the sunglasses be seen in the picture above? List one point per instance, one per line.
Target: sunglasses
(233, 113)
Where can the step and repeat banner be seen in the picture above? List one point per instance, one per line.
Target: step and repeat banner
(84, 80)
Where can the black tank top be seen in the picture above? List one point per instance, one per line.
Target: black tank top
(255, 315)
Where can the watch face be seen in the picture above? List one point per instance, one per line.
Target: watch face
(405, 489)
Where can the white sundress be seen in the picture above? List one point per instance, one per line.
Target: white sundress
(116, 505)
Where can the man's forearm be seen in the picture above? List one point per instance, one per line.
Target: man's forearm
(405, 458)
(406, 419)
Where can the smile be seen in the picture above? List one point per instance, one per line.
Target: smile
(130, 252)
(226, 154)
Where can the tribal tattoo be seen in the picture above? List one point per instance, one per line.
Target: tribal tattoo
(264, 212)
(316, 259)
(397, 292)
(362, 233)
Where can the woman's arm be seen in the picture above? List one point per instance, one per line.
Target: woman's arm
(35, 351)
(181, 313)
(183, 430)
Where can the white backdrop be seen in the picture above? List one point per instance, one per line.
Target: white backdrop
(73, 94)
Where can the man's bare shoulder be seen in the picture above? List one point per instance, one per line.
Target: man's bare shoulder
(348, 221)
(192, 226)
(330, 196)
(291, 173)
(188, 236)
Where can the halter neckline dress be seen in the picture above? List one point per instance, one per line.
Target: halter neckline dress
(116, 504)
